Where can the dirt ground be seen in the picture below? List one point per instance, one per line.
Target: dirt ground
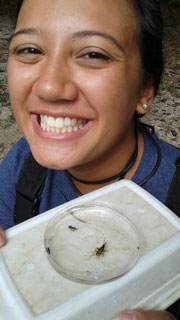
(165, 111)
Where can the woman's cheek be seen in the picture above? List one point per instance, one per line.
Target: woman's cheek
(20, 77)
(15, 82)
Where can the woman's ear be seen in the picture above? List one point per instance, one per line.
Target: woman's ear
(145, 99)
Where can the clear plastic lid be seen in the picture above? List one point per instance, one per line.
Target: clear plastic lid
(92, 243)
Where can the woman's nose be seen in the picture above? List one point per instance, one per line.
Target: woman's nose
(54, 83)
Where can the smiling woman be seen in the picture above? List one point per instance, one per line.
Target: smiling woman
(59, 85)
(79, 77)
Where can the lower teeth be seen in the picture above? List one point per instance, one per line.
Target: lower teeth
(61, 130)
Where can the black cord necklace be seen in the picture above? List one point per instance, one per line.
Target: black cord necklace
(119, 175)
(142, 125)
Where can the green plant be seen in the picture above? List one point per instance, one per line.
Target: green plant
(6, 124)
(174, 1)
(164, 85)
(1, 83)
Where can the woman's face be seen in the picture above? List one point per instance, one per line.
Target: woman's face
(73, 75)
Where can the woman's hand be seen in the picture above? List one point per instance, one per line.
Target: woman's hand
(2, 237)
(145, 315)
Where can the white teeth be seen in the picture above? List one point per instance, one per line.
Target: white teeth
(67, 122)
(43, 126)
(74, 122)
(75, 128)
(50, 122)
(61, 125)
(69, 129)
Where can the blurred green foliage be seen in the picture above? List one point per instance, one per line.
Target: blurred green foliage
(174, 1)
(8, 7)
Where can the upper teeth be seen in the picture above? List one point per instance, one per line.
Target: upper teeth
(60, 124)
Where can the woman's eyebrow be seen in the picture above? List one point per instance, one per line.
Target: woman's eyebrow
(76, 35)
(29, 31)
(93, 33)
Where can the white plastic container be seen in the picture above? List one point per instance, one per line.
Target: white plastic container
(32, 289)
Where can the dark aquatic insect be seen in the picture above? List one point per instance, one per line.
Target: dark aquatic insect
(72, 228)
(101, 250)
(48, 250)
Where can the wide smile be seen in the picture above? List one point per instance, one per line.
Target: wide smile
(60, 124)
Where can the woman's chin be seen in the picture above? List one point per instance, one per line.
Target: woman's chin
(54, 161)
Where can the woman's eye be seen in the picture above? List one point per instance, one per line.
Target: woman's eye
(30, 50)
(91, 58)
(25, 54)
(96, 55)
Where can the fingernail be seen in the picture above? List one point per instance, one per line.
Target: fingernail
(125, 316)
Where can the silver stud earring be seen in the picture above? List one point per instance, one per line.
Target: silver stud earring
(144, 106)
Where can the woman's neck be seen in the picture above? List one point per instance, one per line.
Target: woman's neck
(108, 165)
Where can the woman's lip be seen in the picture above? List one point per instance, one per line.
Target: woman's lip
(58, 136)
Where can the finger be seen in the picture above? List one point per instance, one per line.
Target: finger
(2, 237)
(145, 315)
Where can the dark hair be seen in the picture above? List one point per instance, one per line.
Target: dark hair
(18, 7)
(149, 37)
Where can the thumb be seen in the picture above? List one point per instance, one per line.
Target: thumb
(2, 237)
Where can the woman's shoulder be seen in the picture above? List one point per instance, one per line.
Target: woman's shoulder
(21, 146)
(9, 173)
(169, 152)
(14, 159)
(157, 166)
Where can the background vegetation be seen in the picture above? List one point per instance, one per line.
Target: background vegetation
(172, 2)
